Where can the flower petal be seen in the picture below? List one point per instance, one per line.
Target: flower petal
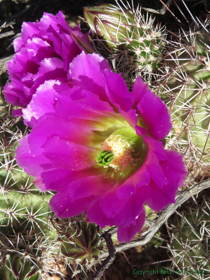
(87, 72)
(154, 113)
(29, 160)
(42, 102)
(90, 185)
(139, 178)
(117, 91)
(96, 215)
(66, 154)
(133, 208)
(139, 89)
(64, 207)
(125, 234)
(155, 155)
(161, 198)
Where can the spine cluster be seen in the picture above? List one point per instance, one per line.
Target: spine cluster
(189, 238)
(134, 41)
(185, 88)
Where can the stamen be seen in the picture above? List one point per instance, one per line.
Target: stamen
(122, 149)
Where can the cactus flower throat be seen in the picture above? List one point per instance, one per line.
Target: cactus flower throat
(123, 152)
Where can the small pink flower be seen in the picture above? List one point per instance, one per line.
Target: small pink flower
(99, 147)
(43, 52)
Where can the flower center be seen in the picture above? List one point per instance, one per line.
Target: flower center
(105, 158)
(122, 149)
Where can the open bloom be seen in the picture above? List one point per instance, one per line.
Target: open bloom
(98, 146)
(43, 52)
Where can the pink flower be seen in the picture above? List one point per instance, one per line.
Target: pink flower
(43, 52)
(98, 146)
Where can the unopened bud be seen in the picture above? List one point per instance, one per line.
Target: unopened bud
(110, 22)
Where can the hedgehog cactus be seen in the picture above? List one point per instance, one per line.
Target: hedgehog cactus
(186, 90)
(16, 266)
(134, 40)
(190, 238)
(25, 231)
(81, 242)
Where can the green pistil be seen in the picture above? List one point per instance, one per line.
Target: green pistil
(123, 151)
(105, 158)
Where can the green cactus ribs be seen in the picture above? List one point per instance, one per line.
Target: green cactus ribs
(25, 233)
(79, 241)
(190, 236)
(134, 41)
(27, 240)
(186, 91)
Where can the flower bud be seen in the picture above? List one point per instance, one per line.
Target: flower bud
(126, 29)
(109, 22)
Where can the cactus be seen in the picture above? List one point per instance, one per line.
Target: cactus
(26, 236)
(135, 42)
(28, 242)
(190, 237)
(80, 243)
(185, 88)
(87, 239)
(25, 233)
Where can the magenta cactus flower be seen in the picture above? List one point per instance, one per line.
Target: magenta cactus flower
(43, 52)
(99, 147)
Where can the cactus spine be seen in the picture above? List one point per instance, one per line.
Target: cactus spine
(133, 40)
(190, 236)
(27, 247)
(25, 232)
(185, 88)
